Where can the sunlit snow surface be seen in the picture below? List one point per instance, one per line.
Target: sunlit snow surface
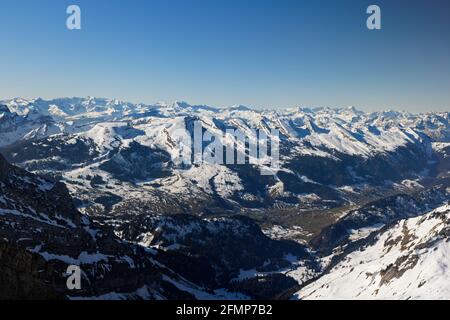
(408, 261)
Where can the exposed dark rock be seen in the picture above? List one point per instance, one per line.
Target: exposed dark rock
(269, 287)
(222, 246)
(25, 275)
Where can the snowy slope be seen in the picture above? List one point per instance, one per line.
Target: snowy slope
(41, 234)
(409, 260)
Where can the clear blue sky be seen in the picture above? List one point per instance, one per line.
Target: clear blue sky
(263, 53)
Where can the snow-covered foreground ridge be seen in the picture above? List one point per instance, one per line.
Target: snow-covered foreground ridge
(409, 260)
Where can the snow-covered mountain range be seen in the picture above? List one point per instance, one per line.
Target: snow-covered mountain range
(345, 180)
(123, 148)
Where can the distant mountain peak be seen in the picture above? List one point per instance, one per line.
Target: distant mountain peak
(239, 107)
(4, 109)
(181, 105)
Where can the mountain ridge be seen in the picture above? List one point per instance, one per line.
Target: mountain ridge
(99, 137)
(344, 177)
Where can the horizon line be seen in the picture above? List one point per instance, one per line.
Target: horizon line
(250, 107)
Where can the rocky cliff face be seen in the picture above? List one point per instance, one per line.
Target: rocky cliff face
(25, 275)
(223, 247)
(42, 234)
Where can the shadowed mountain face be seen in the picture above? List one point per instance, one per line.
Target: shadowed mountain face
(225, 246)
(25, 275)
(98, 183)
(42, 233)
(38, 217)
